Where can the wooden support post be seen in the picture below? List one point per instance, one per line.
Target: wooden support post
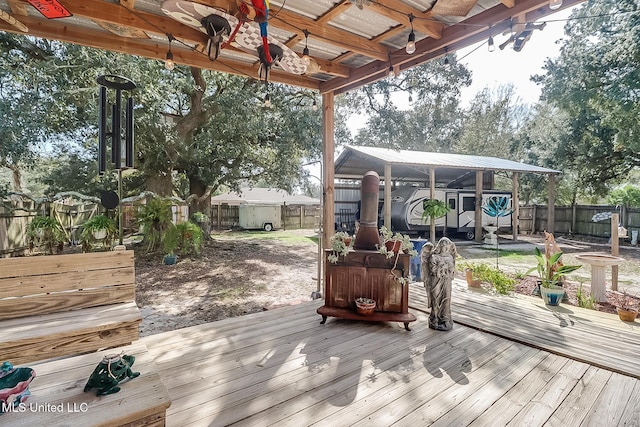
(328, 147)
(478, 214)
(551, 205)
(515, 206)
(615, 249)
(387, 196)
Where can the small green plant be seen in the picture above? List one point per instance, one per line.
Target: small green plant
(341, 242)
(170, 240)
(394, 244)
(585, 300)
(501, 283)
(47, 232)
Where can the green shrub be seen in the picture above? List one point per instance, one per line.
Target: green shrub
(47, 232)
(502, 283)
(190, 238)
(154, 219)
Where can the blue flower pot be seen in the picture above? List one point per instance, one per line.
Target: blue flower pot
(553, 295)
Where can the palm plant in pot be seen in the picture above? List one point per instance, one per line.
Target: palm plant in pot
(170, 241)
(551, 273)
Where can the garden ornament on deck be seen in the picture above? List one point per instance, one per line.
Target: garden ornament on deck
(440, 270)
(14, 386)
(110, 371)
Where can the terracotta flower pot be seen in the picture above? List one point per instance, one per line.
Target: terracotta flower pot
(627, 315)
(365, 306)
(473, 283)
(393, 245)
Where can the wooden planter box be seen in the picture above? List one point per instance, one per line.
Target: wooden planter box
(367, 274)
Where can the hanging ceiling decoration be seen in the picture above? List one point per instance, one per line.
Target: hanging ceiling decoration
(248, 36)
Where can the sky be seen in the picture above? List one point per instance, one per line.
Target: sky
(491, 69)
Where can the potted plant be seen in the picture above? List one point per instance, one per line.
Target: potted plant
(154, 218)
(365, 306)
(170, 240)
(340, 245)
(394, 244)
(433, 209)
(46, 231)
(99, 228)
(551, 273)
(190, 237)
(626, 305)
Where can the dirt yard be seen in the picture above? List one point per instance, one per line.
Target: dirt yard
(241, 273)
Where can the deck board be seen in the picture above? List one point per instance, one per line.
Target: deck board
(508, 361)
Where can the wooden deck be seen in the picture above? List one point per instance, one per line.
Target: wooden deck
(282, 367)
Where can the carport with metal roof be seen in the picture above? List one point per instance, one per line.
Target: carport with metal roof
(439, 170)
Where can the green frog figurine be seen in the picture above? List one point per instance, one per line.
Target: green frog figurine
(110, 371)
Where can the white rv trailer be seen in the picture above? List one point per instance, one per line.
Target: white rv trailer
(406, 210)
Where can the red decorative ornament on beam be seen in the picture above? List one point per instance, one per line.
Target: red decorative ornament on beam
(51, 9)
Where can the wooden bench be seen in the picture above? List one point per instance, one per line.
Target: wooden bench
(62, 305)
(58, 397)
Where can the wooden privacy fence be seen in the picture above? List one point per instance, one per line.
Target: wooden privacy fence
(15, 217)
(576, 219)
(224, 216)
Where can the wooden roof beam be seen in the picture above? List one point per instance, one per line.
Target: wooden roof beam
(147, 48)
(399, 12)
(293, 22)
(453, 38)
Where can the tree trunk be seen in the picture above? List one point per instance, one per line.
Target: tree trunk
(160, 184)
(200, 197)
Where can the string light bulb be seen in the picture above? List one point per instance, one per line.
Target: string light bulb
(314, 106)
(391, 73)
(267, 100)
(555, 4)
(491, 46)
(169, 64)
(305, 52)
(411, 42)
(446, 57)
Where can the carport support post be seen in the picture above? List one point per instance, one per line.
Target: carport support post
(515, 206)
(432, 195)
(478, 213)
(615, 249)
(387, 196)
(551, 204)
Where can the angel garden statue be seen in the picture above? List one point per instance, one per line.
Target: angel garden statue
(438, 269)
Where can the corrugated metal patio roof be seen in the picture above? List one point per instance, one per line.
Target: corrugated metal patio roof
(407, 165)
